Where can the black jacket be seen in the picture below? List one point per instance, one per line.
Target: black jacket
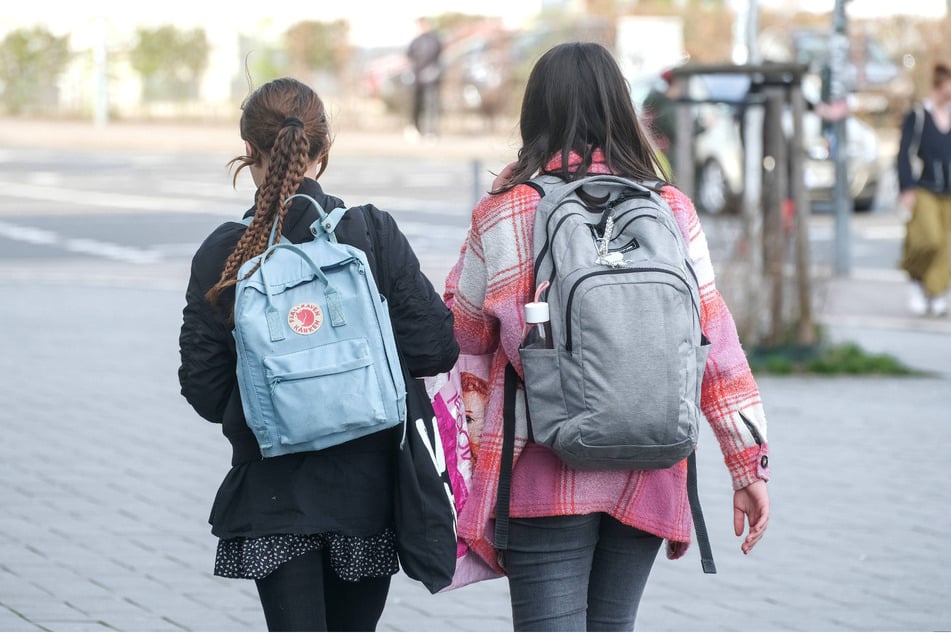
(421, 322)
(934, 152)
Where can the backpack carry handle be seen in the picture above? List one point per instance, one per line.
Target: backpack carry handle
(594, 179)
(326, 223)
(303, 255)
(334, 305)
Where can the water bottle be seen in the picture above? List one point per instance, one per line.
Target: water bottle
(539, 326)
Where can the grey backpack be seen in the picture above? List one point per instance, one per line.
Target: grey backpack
(620, 389)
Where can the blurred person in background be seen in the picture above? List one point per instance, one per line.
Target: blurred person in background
(924, 179)
(424, 54)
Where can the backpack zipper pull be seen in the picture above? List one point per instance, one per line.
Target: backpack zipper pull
(605, 256)
(605, 238)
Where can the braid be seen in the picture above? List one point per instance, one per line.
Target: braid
(295, 168)
(286, 170)
(285, 126)
(252, 242)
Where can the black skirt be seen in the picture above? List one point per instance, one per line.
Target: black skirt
(340, 498)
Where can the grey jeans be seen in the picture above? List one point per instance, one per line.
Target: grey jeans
(576, 573)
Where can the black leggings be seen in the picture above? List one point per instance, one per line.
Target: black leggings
(305, 594)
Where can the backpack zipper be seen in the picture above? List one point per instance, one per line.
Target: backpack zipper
(574, 287)
(547, 245)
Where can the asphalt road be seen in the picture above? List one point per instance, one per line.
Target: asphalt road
(151, 208)
(142, 208)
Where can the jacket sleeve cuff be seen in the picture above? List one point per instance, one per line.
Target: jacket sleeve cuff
(749, 465)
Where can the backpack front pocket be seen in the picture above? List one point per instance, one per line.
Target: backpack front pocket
(302, 382)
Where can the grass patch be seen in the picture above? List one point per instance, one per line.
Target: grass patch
(844, 358)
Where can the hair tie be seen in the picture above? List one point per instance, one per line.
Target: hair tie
(292, 121)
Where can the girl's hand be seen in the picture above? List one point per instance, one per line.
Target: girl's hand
(751, 504)
(907, 199)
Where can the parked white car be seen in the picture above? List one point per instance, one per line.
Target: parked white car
(718, 150)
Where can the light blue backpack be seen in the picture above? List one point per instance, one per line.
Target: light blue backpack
(317, 360)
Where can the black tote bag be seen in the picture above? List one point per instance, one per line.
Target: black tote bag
(424, 509)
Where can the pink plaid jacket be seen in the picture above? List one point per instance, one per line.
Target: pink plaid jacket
(487, 289)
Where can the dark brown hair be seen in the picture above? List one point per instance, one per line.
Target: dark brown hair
(284, 122)
(940, 74)
(577, 101)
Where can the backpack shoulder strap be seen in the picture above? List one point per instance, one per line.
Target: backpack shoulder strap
(506, 463)
(699, 525)
(918, 129)
(919, 113)
(538, 188)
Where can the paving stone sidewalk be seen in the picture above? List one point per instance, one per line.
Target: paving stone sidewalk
(107, 477)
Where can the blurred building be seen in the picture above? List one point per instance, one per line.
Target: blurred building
(101, 38)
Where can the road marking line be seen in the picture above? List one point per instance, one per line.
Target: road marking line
(100, 199)
(108, 250)
(28, 234)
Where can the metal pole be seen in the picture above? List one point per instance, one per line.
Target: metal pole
(682, 164)
(752, 32)
(838, 92)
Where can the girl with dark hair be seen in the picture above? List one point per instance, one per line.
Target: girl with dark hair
(313, 529)
(582, 543)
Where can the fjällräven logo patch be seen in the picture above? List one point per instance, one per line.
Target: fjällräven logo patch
(305, 319)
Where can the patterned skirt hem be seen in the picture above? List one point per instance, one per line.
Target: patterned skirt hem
(351, 558)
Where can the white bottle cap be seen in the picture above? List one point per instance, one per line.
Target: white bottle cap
(536, 312)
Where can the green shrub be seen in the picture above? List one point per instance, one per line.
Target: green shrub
(838, 359)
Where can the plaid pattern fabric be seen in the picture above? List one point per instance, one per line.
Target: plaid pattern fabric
(487, 289)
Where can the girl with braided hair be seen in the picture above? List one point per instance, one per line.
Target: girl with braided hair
(313, 529)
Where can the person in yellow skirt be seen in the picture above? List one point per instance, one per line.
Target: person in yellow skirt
(924, 178)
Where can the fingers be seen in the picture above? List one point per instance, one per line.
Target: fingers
(739, 521)
(753, 538)
(758, 522)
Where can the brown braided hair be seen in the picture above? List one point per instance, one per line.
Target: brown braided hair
(285, 122)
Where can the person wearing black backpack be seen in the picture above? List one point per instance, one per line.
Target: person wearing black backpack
(314, 529)
(581, 542)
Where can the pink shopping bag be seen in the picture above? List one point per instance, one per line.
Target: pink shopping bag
(459, 398)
